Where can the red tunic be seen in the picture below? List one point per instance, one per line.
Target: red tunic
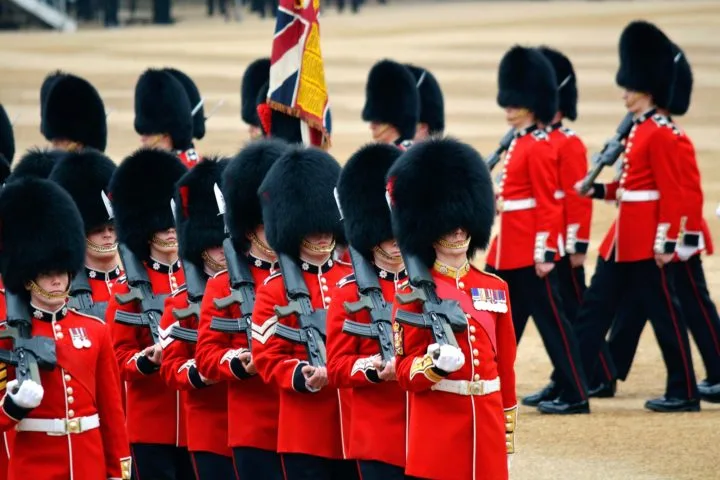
(253, 405)
(102, 283)
(649, 193)
(153, 409)
(453, 436)
(572, 167)
(378, 410)
(277, 360)
(189, 157)
(205, 405)
(7, 437)
(84, 383)
(529, 214)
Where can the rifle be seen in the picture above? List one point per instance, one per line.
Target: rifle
(312, 322)
(81, 297)
(443, 317)
(29, 353)
(609, 154)
(372, 300)
(242, 293)
(494, 158)
(151, 305)
(195, 282)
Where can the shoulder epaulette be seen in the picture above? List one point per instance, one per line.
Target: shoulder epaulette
(180, 290)
(403, 284)
(97, 319)
(568, 132)
(122, 279)
(661, 120)
(540, 134)
(491, 275)
(347, 279)
(271, 277)
(219, 273)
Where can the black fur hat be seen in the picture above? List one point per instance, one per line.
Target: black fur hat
(7, 138)
(36, 163)
(163, 107)
(567, 81)
(41, 232)
(256, 75)
(73, 110)
(240, 182)
(85, 175)
(682, 89)
(297, 198)
(195, 99)
(646, 61)
(461, 195)
(392, 97)
(361, 189)
(4, 169)
(47, 84)
(432, 105)
(526, 79)
(140, 191)
(199, 222)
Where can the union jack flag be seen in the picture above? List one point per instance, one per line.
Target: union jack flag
(297, 74)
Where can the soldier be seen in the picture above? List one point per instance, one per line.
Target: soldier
(70, 425)
(201, 233)
(255, 77)
(163, 115)
(698, 308)
(301, 219)
(392, 104)
(378, 411)
(641, 241)
(141, 189)
(190, 157)
(577, 209)
(7, 138)
(432, 105)
(525, 250)
(450, 397)
(73, 114)
(253, 405)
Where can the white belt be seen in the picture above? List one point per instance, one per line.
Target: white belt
(465, 387)
(559, 194)
(59, 426)
(515, 205)
(637, 195)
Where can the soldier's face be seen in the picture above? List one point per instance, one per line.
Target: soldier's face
(636, 102)
(162, 141)
(453, 243)
(518, 117)
(317, 247)
(56, 285)
(391, 248)
(422, 132)
(383, 132)
(165, 241)
(216, 256)
(102, 242)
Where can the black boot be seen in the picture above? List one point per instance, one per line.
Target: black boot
(710, 392)
(603, 390)
(671, 405)
(547, 393)
(562, 407)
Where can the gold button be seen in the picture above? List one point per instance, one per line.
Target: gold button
(323, 280)
(67, 377)
(476, 362)
(69, 390)
(472, 338)
(475, 352)
(59, 335)
(461, 285)
(476, 377)
(58, 327)
(327, 299)
(71, 399)
(71, 413)
(468, 316)
(325, 288)
(472, 329)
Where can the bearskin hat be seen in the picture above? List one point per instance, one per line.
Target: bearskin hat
(679, 102)
(36, 163)
(7, 138)
(199, 223)
(42, 231)
(140, 191)
(85, 175)
(256, 75)
(240, 182)
(567, 81)
(461, 196)
(74, 111)
(646, 61)
(195, 99)
(361, 190)
(274, 123)
(163, 107)
(526, 79)
(392, 97)
(4, 169)
(432, 105)
(47, 84)
(297, 197)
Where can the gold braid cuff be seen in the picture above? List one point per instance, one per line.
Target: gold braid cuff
(510, 424)
(213, 264)
(31, 286)
(99, 248)
(318, 249)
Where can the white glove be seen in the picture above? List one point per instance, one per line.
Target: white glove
(717, 210)
(684, 251)
(28, 395)
(509, 460)
(446, 357)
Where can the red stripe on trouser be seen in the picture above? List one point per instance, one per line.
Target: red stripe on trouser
(564, 338)
(683, 354)
(578, 295)
(282, 462)
(194, 464)
(134, 463)
(713, 333)
(357, 465)
(237, 473)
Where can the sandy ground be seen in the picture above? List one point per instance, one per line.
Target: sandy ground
(462, 44)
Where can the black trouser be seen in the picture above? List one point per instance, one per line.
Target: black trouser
(699, 312)
(111, 13)
(651, 290)
(257, 464)
(161, 462)
(161, 11)
(308, 467)
(540, 297)
(572, 288)
(211, 466)
(211, 6)
(372, 470)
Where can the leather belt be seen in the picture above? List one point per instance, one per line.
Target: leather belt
(559, 194)
(465, 387)
(515, 205)
(637, 195)
(59, 426)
